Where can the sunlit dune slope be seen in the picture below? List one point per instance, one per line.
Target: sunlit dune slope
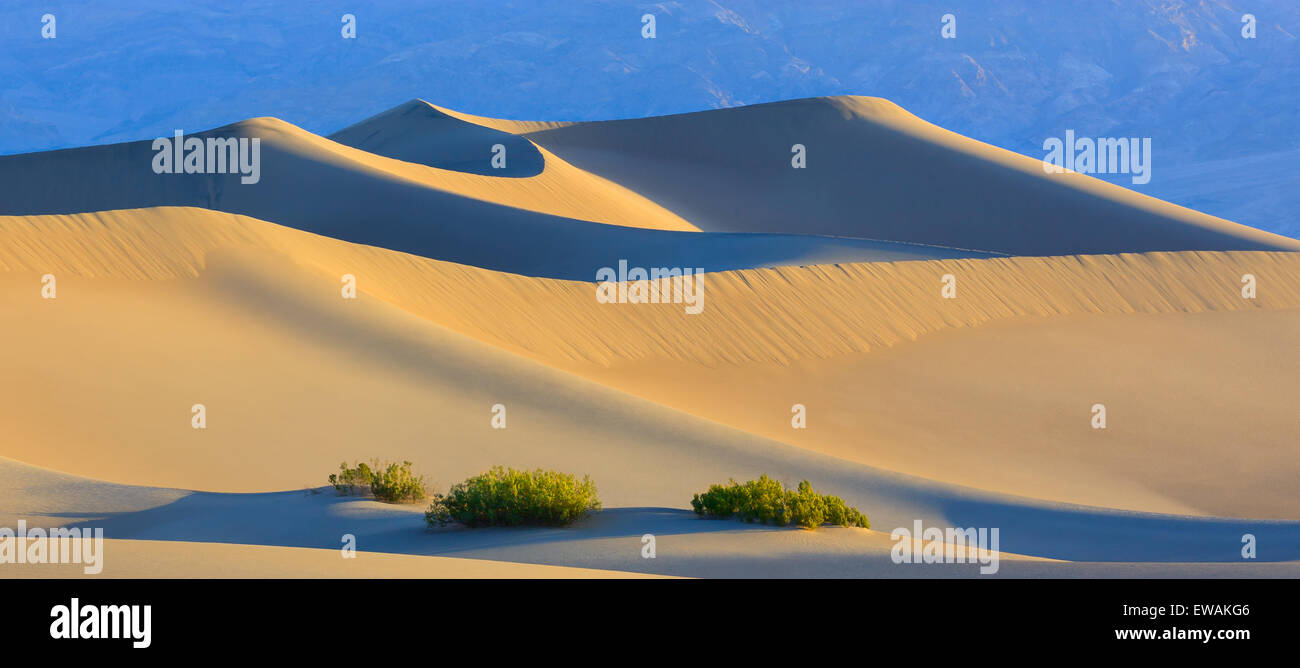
(875, 171)
(997, 407)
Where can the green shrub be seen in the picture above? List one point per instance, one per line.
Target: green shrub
(768, 501)
(506, 497)
(394, 483)
(355, 480)
(397, 484)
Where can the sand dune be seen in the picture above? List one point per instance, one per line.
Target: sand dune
(311, 183)
(1008, 406)
(566, 221)
(301, 170)
(475, 289)
(508, 224)
(771, 315)
(767, 339)
(876, 171)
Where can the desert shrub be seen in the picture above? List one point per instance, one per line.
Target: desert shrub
(842, 514)
(355, 480)
(768, 501)
(397, 484)
(393, 483)
(506, 497)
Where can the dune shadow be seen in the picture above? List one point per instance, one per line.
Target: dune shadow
(1078, 533)
(613, 538)
(320, 518)
(609, 540)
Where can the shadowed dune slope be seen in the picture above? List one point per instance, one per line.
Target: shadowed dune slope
(876, 171)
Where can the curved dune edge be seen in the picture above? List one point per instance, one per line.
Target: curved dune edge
(504, 125)
(559, 190)
(761, 315)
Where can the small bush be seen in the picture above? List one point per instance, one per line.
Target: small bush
(768, 501)
(394, 483)
(506, 497)
(355, 480)
(397, 484)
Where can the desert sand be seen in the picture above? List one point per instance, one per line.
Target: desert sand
(476, 288)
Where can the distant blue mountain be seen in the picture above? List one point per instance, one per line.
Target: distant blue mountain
(1223, 111)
